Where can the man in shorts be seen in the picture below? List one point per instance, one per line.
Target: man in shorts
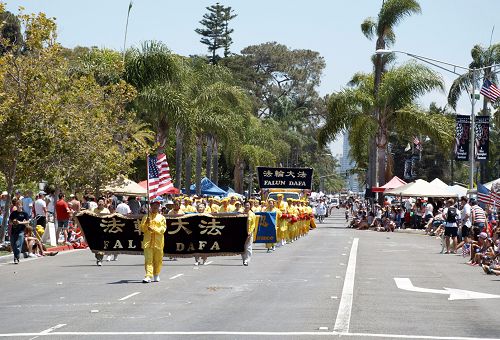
(451, 215)
(63, 213)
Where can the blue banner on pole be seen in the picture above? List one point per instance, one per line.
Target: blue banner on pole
(266, 230)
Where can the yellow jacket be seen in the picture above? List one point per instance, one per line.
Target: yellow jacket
(252, 221)
(153, 239)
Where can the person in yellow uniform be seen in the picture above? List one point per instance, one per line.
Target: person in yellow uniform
(232, 203)
(281, 223)
(189, 209)
(225, 208)
(153, 226)
(247, 255)
(293, 224)
(271, 208)
(211, 207)
(310, 216)
(176, 209)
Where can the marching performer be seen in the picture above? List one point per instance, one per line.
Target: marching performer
(153, 227)
(271, 208)
(281, 223)
(251, 226)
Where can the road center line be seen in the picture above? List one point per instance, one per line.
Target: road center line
(345, 306)
(129, 296)
(176, 276)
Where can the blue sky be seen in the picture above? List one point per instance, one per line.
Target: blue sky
(446, 30)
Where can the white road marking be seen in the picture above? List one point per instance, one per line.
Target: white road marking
(405, 283)
(129, 296)
(48, 330)
(345, 306)
(176, 276)
(330, 334)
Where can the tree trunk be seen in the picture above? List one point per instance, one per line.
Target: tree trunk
(238, 172)
(178, 158)
(199, 161)
(250, 185)
(381, 153)
(209, 157)
(10, 179)
(188, 172)
(216, 162)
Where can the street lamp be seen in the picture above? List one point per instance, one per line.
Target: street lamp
(474, 71)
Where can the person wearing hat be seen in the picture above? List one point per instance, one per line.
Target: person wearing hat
(153, 226)
(281, 223)
(211, 208)
(225, 208)
(189, 208)
(231, 205)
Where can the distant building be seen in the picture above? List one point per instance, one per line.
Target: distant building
(347, 164)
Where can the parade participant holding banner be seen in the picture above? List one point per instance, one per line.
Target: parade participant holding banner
(153, 227)
(176, 209)
(250, 228)
(272, 208)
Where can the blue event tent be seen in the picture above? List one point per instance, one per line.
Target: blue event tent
(208, 188)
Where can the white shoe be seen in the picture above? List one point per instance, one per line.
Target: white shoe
(245, 263)
(147, 279)
(108, 258)
(31, 255)
(196, 263)
(99, 263)
(156, 278)
(204, 262)
(114, 257)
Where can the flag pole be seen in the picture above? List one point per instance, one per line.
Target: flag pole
(147, 181)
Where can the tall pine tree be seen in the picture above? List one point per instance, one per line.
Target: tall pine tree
(216, 33)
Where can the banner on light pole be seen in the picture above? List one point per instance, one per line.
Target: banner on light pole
(482, 137)
(462, 138)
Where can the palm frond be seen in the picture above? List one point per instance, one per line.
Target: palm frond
(368, 28)
(402, 85)
(392, 12)
(461, 84)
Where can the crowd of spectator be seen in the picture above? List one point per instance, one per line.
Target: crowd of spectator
(463, 227)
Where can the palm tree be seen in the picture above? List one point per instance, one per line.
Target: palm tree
(218, 109)
(352, 108)
(484, 59)
(391, 13)
(159, 77)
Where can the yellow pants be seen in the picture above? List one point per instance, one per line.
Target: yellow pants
(153, 261)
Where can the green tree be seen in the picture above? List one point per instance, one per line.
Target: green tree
(10, 35)
(216, 33)
(391, 13)
(351, 110)
(55, 125)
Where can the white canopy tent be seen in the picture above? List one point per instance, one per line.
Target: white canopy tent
(125, 186)
(420, 188)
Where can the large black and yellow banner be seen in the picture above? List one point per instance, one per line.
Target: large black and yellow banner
(186, 235)
(290, 178)
(482, 137)
(462, 138)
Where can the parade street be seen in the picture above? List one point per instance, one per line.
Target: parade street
(334, 283)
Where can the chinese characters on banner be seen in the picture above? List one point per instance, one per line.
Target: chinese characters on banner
(292, 178)
(186, 236)
(462, 138)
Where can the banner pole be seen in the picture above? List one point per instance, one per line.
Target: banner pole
(147, 181)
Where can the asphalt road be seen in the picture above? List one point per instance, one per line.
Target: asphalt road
(334, 283)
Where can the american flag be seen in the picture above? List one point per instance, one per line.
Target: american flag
(159, 179)
(490, 90)
(486, 197)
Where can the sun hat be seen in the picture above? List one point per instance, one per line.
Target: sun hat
(483, 235)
